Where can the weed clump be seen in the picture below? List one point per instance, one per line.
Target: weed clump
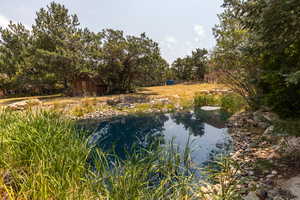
(205, 100)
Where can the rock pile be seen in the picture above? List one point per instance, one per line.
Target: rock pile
(216, 91)
(100, 115)
(130, 99)
(249, 131)
(22, 105)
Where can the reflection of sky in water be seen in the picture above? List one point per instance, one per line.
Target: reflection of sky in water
(196, 128)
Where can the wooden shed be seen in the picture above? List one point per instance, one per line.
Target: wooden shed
(85, 84)
(2, 93)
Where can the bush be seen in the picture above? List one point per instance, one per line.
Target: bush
(290, 127)
(282, 97)
(232, 103)
(205, 100)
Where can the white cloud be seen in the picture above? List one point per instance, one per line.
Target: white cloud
(199, 30)
(3, 21)
(188, 44)
(171, 39)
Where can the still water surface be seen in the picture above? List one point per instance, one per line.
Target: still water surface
(204, 132)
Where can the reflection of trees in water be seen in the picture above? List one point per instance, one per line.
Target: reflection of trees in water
(214, 118)
(132, 132)
(194, 122)
(191, 122)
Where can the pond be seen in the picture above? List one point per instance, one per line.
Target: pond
(204, 132)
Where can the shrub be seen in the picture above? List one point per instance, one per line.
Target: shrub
(289, 127)
(185, 103)
(205, 100)
(232, 103)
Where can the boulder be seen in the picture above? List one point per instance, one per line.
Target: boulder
(125, 105)
(251, 196)
(269, 130)
(21, 105)
(270, 116)
(33, 102)
(293, 185)
(113, 102)
(163, 100)
(265, 117)
(292, 144)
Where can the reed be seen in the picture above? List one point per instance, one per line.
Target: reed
(44, 156)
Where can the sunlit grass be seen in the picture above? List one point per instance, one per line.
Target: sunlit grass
(182, 91)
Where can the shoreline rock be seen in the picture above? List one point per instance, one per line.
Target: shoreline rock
(248, 131)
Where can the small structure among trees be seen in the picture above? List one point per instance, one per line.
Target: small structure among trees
(85, 84)
(2, 93)
(47, 57)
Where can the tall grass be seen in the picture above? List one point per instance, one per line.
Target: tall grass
(201, 99)
(43, 156)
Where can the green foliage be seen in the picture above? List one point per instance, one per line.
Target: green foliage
(191, 68)
(185, 103)
(42, 155)
(280, 52)
(128, 61)
(202, 99)
(232, 103)
(262, 62)
(235, 64)
(56, 51)
(287, 127)
(225, 173)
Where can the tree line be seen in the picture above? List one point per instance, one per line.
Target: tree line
(52, 54)
(48, 57)
(191, 68)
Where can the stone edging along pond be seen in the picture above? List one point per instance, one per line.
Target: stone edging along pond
(257, 152)
(261, 155)
(265, 175)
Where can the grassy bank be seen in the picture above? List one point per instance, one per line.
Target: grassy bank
(230, 102)
(43, 156)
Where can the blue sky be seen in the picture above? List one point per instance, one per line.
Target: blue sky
(179, 26)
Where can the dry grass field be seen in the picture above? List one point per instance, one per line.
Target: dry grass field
(182, 91)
